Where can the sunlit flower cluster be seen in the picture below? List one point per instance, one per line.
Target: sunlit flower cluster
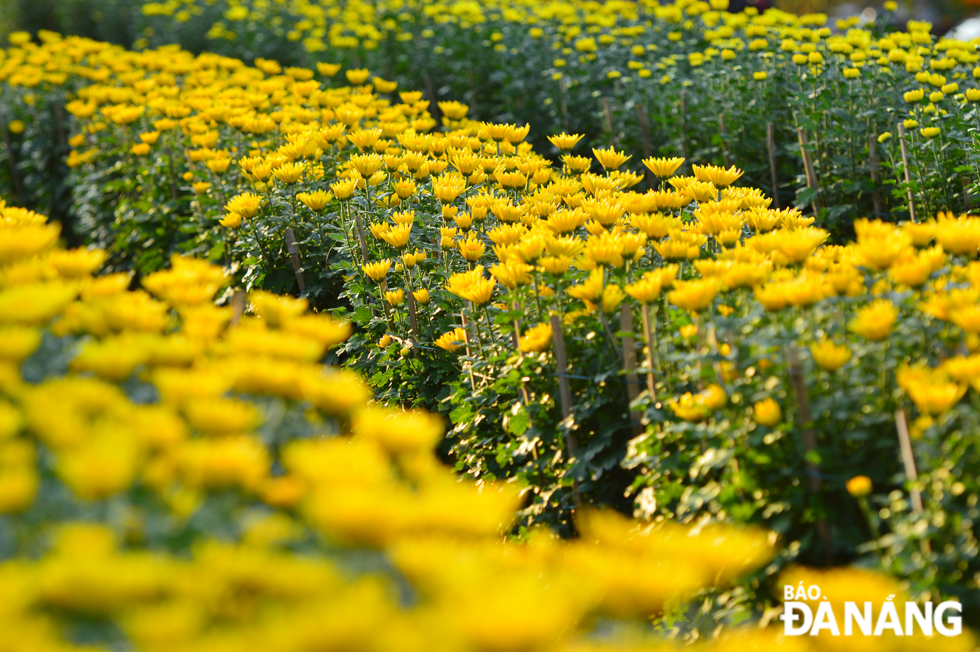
(204, 434)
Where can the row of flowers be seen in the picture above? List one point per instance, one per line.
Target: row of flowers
(205, 480)
(687, 351)
(685, 78)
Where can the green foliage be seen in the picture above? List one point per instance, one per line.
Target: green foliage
(693, 447)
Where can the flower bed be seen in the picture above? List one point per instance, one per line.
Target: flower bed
(687, 353)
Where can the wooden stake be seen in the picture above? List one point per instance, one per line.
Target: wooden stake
(431, 92)
(466, 341)
(724, 134)
(293, 248)
(648, 338)
(771, 146)
(11, 159)
(873, 162)
(60, 125)
(237, 306)
(173, 175)
(684, 126)
(412, 319)
(384, 304)
(360, 235)
(809, 438)
(565, 394)
(516, 337)
(607, 109)
(811, 173)
(629, 362)
(905, 164)
(908, 459)
(641, 114)
(564, 390)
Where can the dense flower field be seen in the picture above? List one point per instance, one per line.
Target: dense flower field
(651, 334)
(182, 503)
(233, 492)
(673, 79)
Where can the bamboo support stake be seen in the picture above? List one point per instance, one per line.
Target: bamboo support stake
(607, 110)
(811, 172)
(701, 341)
(565, 395)
(293, 248)
(648, 326)
(771, 146)
(384, 304)
(431, 92)
(629, 362)
(684, 125)
(712, 340)
(873, 162)
(59, 122)
(905, 165)
(412, 317)
(908, 459)
(237, 306)
(641, 115)
(809, 437)
(516, 337)
(11, 159)
(173, 174)
(723, 133)
(360, 236)
(564, 390)
(466, 342)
